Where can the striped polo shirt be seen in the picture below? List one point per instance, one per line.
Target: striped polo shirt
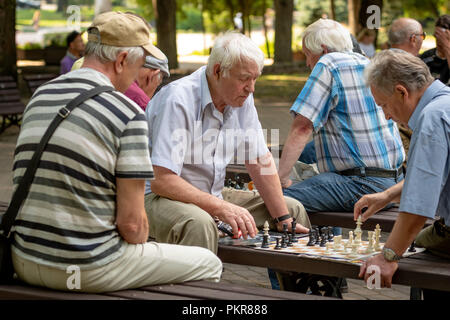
(350, 130)
(69, 215)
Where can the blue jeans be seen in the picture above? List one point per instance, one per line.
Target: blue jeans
(330, 191)
(308, 154)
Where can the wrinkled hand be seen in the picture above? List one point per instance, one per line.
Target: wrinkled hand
(238, 218)
(286, 183)
(151, 82)
(387, 270)
(298, 227)
(373, 202)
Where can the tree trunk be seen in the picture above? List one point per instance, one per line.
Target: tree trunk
(284, 10)
(166, 30)
(332, 10)
(264, 9)
(62, 5)
(353, 12)
(8, 64)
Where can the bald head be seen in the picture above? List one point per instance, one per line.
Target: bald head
(405, 34)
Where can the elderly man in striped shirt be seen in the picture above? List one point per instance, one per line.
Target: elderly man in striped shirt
(358, 151)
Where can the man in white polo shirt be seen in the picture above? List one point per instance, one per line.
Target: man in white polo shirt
(197, 125)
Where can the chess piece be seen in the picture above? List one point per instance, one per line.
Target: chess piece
(289, 241)
(337, 243)
(358, 231)
(323, 240)
(285, 230)
(283, 241)
(293, 228)
(311, 240)
(265, 242)
(266, 228)
(277, 246)
(354, 253)
(348, 244)
(370, 245)
(412, 248)
(377, 236)
(330, 234)
(317, 237)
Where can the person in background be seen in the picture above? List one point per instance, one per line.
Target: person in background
(366, 40)
(406, 34)
(150, 76)
(75, 50)
(438, 59)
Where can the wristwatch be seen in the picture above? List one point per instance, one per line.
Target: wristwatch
(390, 255)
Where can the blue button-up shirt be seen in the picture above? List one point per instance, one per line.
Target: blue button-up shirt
(190, 137)
(350, 130)
(426, 190)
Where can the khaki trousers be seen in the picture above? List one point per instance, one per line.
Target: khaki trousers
(186, 224)
(141, 265)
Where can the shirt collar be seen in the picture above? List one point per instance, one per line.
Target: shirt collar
(206, 94)
(427, 96)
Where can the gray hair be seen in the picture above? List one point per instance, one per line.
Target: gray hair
(329, 33)
(106, 53)
(231, 48)
(391, 67)
(401, 29)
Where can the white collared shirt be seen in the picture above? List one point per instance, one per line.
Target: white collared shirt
(190, 137)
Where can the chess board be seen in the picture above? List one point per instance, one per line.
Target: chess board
(317, 252)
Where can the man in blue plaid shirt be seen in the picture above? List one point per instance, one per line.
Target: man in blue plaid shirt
(358, 151)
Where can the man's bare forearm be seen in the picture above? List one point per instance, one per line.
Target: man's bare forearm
(296, 141)
(394, 193)
(266, 180)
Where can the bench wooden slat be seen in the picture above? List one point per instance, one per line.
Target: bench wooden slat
(11, 108)
(204, 293)
(145, 295)
(287, 295)
(10, 292)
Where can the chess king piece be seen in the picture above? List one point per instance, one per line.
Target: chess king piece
(370, 246)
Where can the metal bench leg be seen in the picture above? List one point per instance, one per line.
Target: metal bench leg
(415, 294)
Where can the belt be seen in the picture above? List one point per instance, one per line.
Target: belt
(372, 172)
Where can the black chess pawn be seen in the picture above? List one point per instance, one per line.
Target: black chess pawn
(285, 229)
(277, 246)
(312, 240)
(265, 242)
(284, 241)
(323, 239)
(412, 248)
(289, 241)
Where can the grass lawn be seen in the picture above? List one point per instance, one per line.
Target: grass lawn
(279, 88)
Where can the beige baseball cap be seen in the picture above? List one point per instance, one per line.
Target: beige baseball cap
(123, 29)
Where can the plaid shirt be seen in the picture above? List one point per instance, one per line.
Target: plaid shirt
(350, 130)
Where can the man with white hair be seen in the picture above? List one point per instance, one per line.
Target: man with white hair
(197, 125)
(406, 34)
(357, 150)
(404, 87)
(85, 209)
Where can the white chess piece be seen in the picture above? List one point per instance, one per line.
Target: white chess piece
(337, 243)
(266, 228)
(377, 235)
(349, 243)
(370, 246)
(329, 247)
(354, 253)
(358, 231)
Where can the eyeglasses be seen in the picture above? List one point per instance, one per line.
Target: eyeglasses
(422, 35)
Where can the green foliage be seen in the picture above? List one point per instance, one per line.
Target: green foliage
(30, 46)
(311, 10)
(189, 18)
(55, 39)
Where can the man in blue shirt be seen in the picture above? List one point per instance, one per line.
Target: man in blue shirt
(403, 86)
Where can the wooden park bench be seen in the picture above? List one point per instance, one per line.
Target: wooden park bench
(34, 81)
(193, 290)
(11, 107)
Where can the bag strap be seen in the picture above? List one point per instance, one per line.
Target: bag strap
(24, 185)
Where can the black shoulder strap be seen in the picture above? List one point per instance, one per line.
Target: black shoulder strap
(24, 185)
